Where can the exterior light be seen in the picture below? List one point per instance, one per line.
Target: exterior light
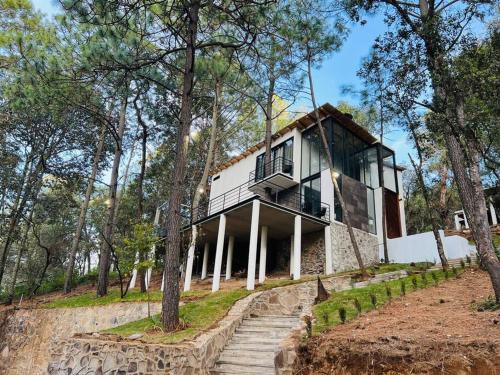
(335, 175)
(201, 190)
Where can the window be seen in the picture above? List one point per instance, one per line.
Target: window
(313, 157)
(281, 160)
(311, 196)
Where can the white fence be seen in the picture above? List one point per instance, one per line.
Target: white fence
(422, 248)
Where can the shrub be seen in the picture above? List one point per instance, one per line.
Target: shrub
(434, 277)
(446, 274)
(468, 260)
(308, 320)
(455, 272)
(489, 304)
(403, 288)
(414, 282)
(357, 305)
(424, 278)
(462, 263)
(373, 299)
(326, 317)
(388, 291)
(342, 314)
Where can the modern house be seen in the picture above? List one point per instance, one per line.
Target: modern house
(282, 216)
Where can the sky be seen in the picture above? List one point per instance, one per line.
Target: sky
(337, 71)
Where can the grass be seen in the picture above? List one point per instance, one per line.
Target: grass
(90, 299)
(196, 316)
(327, 312)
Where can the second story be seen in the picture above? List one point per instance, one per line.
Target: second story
(298, 177)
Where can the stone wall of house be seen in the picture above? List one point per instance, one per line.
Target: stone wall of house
(27, 335)
(313, 253)
(343, 257)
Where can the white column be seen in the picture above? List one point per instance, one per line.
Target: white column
(457, 222)
(205, 261)
(252, 250)
(189, 262)
(229, 261)
(218, 253)
(291, 254)
(263, 254)
(493, 214)
(328, 251)
(297, 245)
(162, 281)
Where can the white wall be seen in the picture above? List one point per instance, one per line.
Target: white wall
(422, 248)
(402, 213)
(238, 173)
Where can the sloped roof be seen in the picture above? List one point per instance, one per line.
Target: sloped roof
(302, 123)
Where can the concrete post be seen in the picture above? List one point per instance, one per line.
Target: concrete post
(291, 254)
(204, 268)
(493, 214)
(297, 245)
(229, 261)
(252, 250)
(218, 253)
(328, 251)
(263, 254)
(189, 263)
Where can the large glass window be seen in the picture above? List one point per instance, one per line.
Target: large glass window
(311, 196)
(281, 160)
(313, 157)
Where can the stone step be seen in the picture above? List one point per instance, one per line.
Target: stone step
(263, 324)
(260, 347)
(249, 363)
(228, 355)
(242, 370)
(263, 330)
(254, 339)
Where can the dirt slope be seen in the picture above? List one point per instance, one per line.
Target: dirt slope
(431, 331)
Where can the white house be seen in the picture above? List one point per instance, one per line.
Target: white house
(283, 217)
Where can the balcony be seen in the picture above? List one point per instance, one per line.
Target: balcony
(273, 176)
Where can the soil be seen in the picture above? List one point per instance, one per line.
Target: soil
(431, 331)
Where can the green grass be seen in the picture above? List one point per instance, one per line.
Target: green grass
(90, 299)
(391, 267)
(197, 316)
(496, 240)
(327, 312)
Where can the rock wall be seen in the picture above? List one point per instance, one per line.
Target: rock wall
(27, 335)
(343, 257)
(313, 253)
(91, 355)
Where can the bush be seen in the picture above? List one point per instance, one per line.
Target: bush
(403, 288)
(434, 277)
(424, 278)
(326, 317)
(373, 299)
(388, 291)
(468, 260)
(455, 272)
(446, 274)
(489, 304)
(414, 282)
(308, 320)
(462, 263)
(357, 305)
(342, 314)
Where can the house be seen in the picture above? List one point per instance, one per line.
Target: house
(283, 217)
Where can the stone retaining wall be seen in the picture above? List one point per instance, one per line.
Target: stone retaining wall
(343, 257)
(101, 355)
(27, 335)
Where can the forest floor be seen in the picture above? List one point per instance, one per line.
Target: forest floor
(437, 330)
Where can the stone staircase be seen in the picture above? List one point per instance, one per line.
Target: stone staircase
(254, 344)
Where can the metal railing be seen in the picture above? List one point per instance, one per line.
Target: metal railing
(289, 199)
(276, 165)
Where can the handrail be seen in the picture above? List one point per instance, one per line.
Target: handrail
(276, 165)
(286, 198)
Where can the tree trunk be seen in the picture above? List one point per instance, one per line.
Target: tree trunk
(107, 237)
(380, 160)
(170, 302)
(269, 125)
(443, 179)
(140, 188)
(326, 149)
(425, 193)
(83, 211)
(21, 250)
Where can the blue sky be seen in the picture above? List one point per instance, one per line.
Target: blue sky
(338, 70)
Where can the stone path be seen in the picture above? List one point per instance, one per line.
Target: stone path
(252, 348)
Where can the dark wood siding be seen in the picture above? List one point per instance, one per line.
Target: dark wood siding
(393, 219)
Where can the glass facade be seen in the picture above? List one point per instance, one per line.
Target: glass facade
(281, 160)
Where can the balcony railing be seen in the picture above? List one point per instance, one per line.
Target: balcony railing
(276, 165)
(286, 198)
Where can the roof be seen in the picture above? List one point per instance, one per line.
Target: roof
(302, 123)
